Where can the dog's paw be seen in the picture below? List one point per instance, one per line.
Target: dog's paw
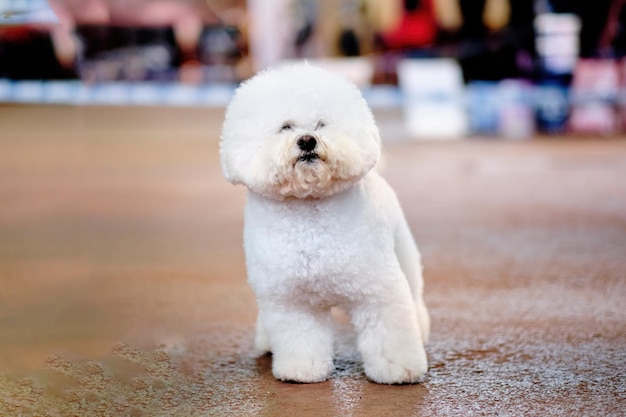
(303, 370)
(397, 370)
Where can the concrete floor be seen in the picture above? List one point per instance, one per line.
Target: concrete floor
(123, 290)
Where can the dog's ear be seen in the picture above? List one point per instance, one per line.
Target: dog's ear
(234, 146)
(226, 171)
(372, 147)
(228, 168)
(381, 161)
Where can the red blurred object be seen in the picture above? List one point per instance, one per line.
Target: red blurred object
(417, 26)
(27, 53)
(19, 33)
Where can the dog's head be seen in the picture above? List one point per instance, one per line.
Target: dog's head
(298, 131)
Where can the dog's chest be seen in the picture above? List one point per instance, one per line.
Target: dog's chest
(319, 248)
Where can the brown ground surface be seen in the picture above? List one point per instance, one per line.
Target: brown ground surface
(123, 291)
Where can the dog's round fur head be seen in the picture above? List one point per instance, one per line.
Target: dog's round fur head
(298, 131)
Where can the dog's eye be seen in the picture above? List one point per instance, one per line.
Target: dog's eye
(320, 124)
(286, 126)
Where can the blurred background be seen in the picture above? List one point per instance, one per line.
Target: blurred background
(455, 68)
(122, 274)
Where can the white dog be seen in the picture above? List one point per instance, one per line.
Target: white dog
(322, 228)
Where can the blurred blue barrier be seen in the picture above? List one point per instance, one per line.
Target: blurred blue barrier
(122, 93)
(115, 93)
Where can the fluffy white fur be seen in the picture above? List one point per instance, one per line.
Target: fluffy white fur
(322, 228)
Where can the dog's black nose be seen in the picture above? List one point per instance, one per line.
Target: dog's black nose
(307, 143)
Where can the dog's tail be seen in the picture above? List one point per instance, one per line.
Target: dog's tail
(411, 264)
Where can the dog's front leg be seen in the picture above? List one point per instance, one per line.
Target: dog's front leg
(390, 342)
(300, 341)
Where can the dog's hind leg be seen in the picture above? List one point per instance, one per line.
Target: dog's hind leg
(389, 340)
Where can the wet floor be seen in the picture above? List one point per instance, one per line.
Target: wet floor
(123, 291)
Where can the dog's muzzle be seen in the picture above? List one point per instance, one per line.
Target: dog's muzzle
(307, 145)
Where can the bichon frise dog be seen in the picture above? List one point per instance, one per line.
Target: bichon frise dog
(322, 228)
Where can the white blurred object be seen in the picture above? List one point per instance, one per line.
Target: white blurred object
(433, 98)
(558, 41)
(270, 29)
(26, 11)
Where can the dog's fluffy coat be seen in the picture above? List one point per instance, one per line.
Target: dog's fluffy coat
(322, 228)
